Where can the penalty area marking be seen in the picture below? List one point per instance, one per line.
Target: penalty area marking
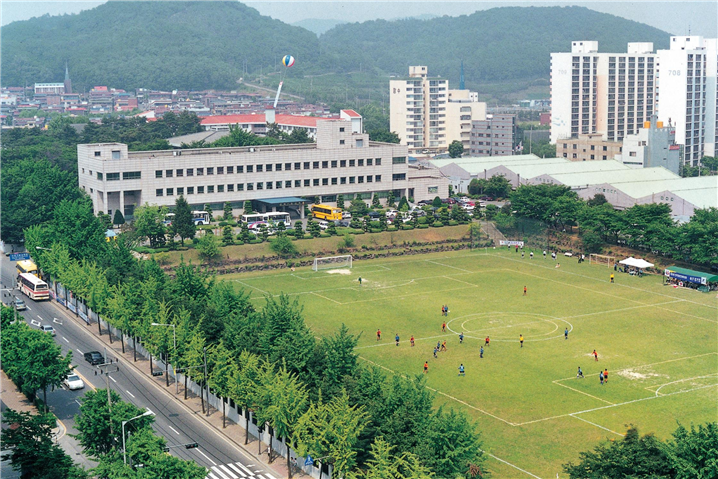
(658, 393)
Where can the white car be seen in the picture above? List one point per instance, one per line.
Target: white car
(391, 213)
(73, 382)
(346, 215)
(323, 224)
(46, 328)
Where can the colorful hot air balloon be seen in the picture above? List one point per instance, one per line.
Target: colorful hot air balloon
(288, 61)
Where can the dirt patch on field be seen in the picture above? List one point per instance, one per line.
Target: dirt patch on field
(636, 376)
(339, 271)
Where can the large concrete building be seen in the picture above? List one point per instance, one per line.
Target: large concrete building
(588, 147)
(427, 115)
(341, 162)
(613, 94)
(494, 136)
(653, 145)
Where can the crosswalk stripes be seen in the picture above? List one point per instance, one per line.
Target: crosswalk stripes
(237, 470)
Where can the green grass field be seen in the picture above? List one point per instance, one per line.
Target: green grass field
(659, 344)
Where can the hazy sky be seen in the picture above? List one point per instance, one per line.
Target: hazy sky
(676, 17)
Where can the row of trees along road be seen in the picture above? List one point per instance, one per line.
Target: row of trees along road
(311, 392)
(648, 226)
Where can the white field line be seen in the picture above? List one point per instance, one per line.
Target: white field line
(415, 340)
(449, 266)
(691, 315)
(460, 281)
(658, 393)
(253, 287)
(509, 464)
(328, 299)
(581, 392)
(598, 426)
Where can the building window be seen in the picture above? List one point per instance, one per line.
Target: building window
(360, 179)
(306, 165)
(297, 166)
(297, 183)
(240, 186)
(269, 185)
(315, 181)
(334, 163)
(260, 168)
(267, 167)
(633, 153)
(377, 178)
(360, 162)
(360, 143)
(250, 168)
(179, 173)
(113, 177)
(574, 155)
(240, 168)
(352, 180)
(343, 180)
(220, 170)
(288, 183)
(170, 191)
(210, 171)
(180, 191)
(398, 177)
(115, 155)
(334, 181)
(250, 186)
(190, 190)
(368, 162)
(131, 175)
(287, 166)
(315, 165)
(341, 142)
(210, 189)
(593, 147)
(278, 185)
(306, 183)
(325, 181)
(369, 178)
(593, 157)
(278, 167)
(397, 160)
(200, 171)
(325, 164)
(158, 173)
(377, 162)
(605, 148)
(604, 157)
(352, 163)
(343, 163)
(97, 153)
(190, 171)
(200, 190)
(230, 188)
(230, 170)
(341, 129)
(159, 192)
(169, 173)
(220, 188)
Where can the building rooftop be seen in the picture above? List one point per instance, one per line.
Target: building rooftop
(259, 118)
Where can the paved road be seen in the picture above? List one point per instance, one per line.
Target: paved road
(173, 421)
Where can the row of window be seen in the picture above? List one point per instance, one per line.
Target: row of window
(271, 185)
(269, 167)
(126, 175)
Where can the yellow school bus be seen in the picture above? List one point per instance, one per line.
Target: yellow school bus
(326, 212)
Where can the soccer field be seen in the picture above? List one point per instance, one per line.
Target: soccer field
(659, 344)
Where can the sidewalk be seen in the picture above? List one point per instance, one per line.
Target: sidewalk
(233, 432)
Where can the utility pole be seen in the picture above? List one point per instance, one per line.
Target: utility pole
(205, 378)
(107, 372)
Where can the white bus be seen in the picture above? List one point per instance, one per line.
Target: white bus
(33, 287)
(200, 217)
(254, 218)
(278, 216)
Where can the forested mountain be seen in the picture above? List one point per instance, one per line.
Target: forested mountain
(318, 25)
(201, 45)
(159, 45)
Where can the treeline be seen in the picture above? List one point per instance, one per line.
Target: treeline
(647, 227)
(172, 47)
(312, 392)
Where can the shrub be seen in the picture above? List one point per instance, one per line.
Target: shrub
(283, 246)
(437, 224)
(347, 241)
(423, 227)
(453, 222)
(407, 226)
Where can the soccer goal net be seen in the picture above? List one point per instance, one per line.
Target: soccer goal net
(601, 260)
(332, 262)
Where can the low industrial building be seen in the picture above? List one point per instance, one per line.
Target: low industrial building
(342, 161)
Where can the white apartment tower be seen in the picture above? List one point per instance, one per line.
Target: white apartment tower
(426, 114)
(606, 93)
(686, 94)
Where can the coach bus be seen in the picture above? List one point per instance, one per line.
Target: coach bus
(33, 287)
(326, 212)
(254, 218)
(26, 266)
(279, 216)
(200, 217)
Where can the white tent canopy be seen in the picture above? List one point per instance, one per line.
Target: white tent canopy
(636, 263)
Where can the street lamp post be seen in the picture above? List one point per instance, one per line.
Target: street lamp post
(174, 340)
(124, 451)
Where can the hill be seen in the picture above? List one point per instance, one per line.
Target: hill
(318, 25)
(161, 45)
(202, 45)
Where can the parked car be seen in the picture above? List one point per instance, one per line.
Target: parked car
(373, 215)
(94, 358)
(323, 224)
(19, 304)
(46, 328)
(450, 201)
(391, 213)
(423, 203)
(346, 215)
(73, 382)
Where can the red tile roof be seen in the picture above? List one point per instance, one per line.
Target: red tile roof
(352, 114)
(290, 120)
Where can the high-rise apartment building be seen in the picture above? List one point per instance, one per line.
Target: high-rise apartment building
(427, 115)
(613, 94)
(493, 136)
(607, 93)
(686, 94)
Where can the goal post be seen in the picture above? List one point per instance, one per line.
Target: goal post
(332, 262)
(601, 260)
